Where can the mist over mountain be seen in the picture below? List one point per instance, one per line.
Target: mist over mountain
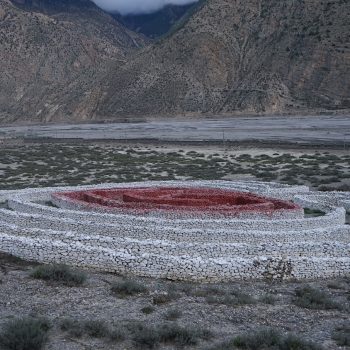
(157, 23)
(128, 7)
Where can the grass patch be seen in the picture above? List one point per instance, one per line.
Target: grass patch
(312, 298)
(148, 310)
(151, 336)
(173, 315)
(165, 298)
(59, 273)
(341, 335)
(266, 339)
(233, 298)
(268, 299)
(128, 288)
(73, 327)
(24, 334)
(96, 328)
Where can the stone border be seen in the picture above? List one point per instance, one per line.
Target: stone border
(186, 249)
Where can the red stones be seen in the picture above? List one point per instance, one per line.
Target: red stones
(174, 199)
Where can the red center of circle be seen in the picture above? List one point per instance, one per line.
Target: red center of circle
(144, 200)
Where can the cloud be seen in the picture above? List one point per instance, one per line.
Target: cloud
(137, 6)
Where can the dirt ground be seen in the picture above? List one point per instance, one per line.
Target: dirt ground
(271, 305)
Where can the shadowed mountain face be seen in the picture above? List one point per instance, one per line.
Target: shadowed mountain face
(157, 23)
(234, 56)
(51, 51)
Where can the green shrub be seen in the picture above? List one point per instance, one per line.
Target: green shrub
(259, 340)
(148, 309)
(341, 335)
(164, 298)
(181, 336)
(151, 336)
(128, 288)
(73, 327)
(117, 334)
(144, 336)
(266, 339)
(311, 298)
(24, 334)
(96, 328)
(268, 299)
(172, 315)
(59, 273)
(233, 298)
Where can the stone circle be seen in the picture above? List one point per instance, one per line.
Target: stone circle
(172, 229)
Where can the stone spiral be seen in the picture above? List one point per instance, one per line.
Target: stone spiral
(43, 225)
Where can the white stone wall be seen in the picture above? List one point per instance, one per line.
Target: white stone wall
(201, 249)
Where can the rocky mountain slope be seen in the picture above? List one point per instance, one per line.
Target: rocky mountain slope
(241, 56)
(68, 60)
(51, 52)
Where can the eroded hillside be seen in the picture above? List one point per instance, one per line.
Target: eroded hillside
(233, 56)
(51, 52)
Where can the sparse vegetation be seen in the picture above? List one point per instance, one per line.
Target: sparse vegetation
(96, 328)
(312, 298)
(148, 310)
(45, 165)
(150, 337)
(24, 334)
(266, 339)
(59, 273)
(127, 288)
(341, 335)
(173, 314)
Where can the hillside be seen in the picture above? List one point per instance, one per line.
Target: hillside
(51, 51)
(241, 56)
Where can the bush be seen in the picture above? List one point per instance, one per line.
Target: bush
(172, 315)
(128, 288)
(59, 273)
(148, 310)
(73, 327)
(266, 339)
(233, 298)
(24, 334)
(96, 328)
(311, 298)
(268, 299)
(164, 298)
(341, 335)
(93, 328)
(117, 334)
(150, 337)
(259, 340)
(145, 337)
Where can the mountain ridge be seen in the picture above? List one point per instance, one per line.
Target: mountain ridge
(230, 57)
(49, 57)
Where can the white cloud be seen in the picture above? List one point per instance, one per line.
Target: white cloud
(137, 6)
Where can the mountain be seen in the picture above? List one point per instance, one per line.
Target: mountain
(67, 60)
(240, 56)
(156, 24)
(51, 52)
